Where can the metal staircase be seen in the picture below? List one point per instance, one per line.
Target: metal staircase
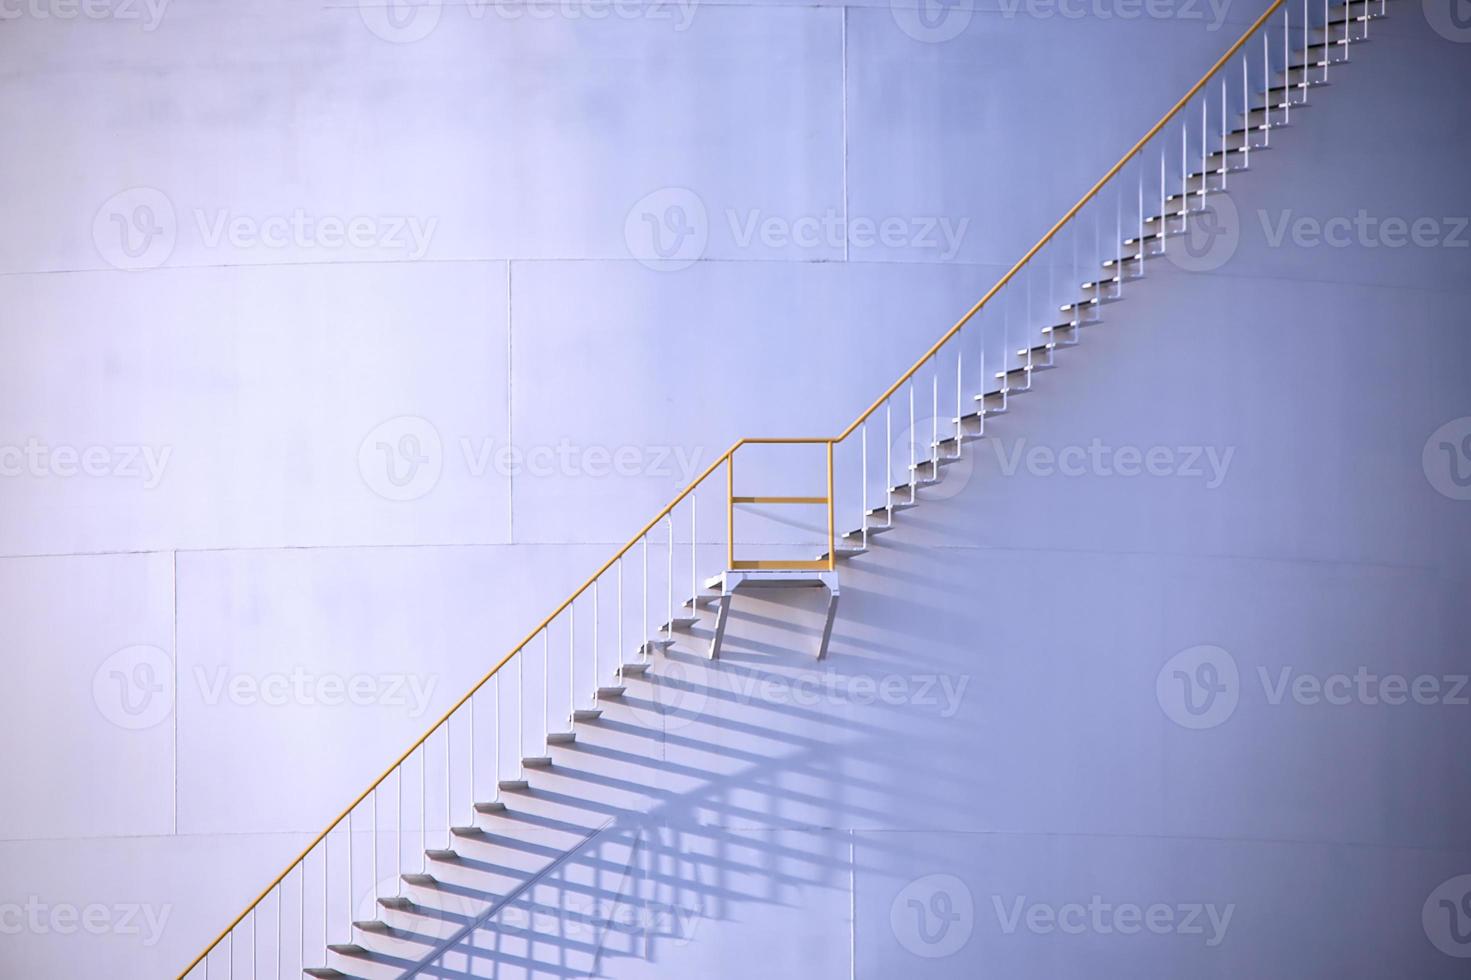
(437, 842)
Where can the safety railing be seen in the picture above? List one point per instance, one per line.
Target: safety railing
(1141, 209)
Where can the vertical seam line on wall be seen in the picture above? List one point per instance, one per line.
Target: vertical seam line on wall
(845, 130)
(175, 644)
(852, 904)
(510, 431)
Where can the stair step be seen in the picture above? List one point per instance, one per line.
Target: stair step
(561, 738)
(587, 714)
(844, 553)
(421, 880)
(514, 785)
(1295, 86)
(442, 854)
(325, 973)
(494, 806)
(920, 484)
(648, 648)
(857, 535)
(397, 903)
(373, 925)
(347, 949)
(880, 513)
(701, 601)
(611, 692)
(1017, 373)
(633, 670)
(467, 831)
(679, 623)
(1239, 150)
(536, 761)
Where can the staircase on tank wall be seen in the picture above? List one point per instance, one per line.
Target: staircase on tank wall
(481, 841)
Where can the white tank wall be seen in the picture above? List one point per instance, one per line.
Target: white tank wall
(264, 542)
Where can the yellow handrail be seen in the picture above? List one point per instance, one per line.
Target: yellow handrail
(726, 457)
(1072, 213)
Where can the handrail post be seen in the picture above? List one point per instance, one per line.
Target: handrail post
(832, 552)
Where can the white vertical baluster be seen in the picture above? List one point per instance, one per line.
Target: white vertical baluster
(670, 520)
(423, 805)
(1327, 33)
(959, 396)
(449, 800)
(863, 486)
(471, 709)
(694, 572)
(1142, 243)
(1225, 157)
(349, 871)
(647, 636)
(1164, 223)
(546, 686)
(520, 716)
(889, 456)
(281, 900)
(596, 671)
(398, 841)
(1267, 82)
(1246, 107)
(375, 850)
(326, 929)
(571, 661)
(935, 420)
(982, 412)
(1307, 51)
(618, 659)
(1185, 177)
(1205, 128)
(912, 460)
(1286, 64)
